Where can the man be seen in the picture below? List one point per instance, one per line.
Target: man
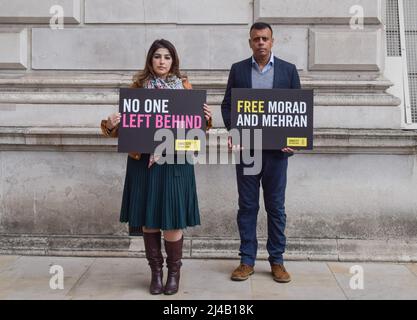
(261, 71)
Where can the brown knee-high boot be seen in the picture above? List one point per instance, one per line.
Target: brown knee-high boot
(174, 256)
(155, 259)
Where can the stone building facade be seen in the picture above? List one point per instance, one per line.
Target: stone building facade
(353, 197)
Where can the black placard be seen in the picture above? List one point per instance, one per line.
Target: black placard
(145, 111)
(284, 115)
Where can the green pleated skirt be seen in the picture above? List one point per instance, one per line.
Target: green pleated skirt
(160, 197)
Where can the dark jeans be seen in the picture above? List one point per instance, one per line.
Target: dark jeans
(274, 180)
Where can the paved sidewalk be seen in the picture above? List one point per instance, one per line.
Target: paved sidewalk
(28, 277)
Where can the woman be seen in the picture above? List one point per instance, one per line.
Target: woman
(159, 197)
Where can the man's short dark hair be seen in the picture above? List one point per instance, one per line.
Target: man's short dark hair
(260, 26)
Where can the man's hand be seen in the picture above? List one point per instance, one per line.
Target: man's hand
(287, 150)
(233, 147)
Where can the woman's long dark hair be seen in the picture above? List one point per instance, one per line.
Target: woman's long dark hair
(142, 76)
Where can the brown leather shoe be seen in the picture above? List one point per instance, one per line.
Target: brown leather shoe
(279, 273)
(243, 272)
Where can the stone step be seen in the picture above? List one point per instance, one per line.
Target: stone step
(325, 140)
(201, 79)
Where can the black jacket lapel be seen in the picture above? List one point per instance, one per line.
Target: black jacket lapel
(248, 73)
(276, 72)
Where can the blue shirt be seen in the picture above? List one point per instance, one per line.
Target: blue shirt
(268, 66)
(263, 79)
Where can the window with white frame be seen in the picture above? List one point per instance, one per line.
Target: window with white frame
(410, 32)
(401, 35)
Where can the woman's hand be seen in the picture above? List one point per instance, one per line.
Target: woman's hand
(207, 112)
(152, 159)
(113, 120)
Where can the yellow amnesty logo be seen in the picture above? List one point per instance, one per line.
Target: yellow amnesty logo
(296, 142)
(187, 145)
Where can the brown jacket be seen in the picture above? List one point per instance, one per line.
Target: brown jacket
(115, 131)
